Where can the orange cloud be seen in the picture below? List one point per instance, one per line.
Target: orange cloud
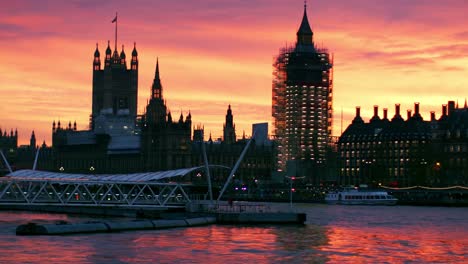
(215, 53)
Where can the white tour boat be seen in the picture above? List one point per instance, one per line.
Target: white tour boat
(356, 197)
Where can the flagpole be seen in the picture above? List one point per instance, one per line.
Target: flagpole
(116, 21)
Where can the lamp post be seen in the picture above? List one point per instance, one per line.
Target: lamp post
(291, 179)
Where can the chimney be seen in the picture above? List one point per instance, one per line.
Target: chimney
(451, 107)
(444, 110)
(376, 110)
(408, 114)
(416, 109)
(432, 116)
(397, 109)
(358, 111)
(385, 113)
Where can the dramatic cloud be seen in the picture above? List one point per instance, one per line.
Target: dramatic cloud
(214, 53)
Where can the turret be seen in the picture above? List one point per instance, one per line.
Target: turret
(108, 55)
(181, 118)
(74, 125)
(134, 62)
(97, 59)
(189, 118)
(115, 56)
(123, 57)
(32, 141)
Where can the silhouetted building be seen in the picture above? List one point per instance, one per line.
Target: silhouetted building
(260, 134)
(115, 87)
(229, 128)
(9, 146)
(302, 103)
(450, 146)
(409, 152)
(166, 143)
(199, 134)
(255, 169)
(112, 144)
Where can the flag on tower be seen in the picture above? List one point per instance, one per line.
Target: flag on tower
(115, 19)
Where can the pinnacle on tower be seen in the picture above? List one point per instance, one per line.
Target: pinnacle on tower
(108, 50)
(156, 89)
(134, 52)
(305, 34)
(122, 53)
(96, 52)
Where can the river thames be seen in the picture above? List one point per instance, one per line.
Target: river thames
(332, 234)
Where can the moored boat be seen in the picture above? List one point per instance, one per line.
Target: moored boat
(357, 197)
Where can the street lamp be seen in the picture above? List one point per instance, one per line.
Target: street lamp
(291, 179)
(61, 169)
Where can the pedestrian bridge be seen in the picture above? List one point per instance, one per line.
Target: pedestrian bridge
(150, 189)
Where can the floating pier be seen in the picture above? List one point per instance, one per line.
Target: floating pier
(109, 226)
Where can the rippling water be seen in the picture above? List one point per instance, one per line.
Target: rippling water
(333, 234)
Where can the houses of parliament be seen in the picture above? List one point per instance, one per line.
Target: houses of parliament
(121, 141)
(391, 152)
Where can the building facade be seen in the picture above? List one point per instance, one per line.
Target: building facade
(409, 152)
(166, 143)
(9, 147)
(229, 128)
(302, 102)
(115, 87)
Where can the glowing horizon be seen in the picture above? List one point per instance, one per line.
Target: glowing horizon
(213, 54)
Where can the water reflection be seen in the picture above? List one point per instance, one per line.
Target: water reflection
(394, 245)
(332, 235)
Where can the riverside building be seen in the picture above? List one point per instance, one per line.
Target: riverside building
(399, 153)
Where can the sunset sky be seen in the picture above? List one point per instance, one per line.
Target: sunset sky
(213, 53)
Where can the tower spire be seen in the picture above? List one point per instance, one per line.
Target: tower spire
(156, 89)
(305, 34)
(156, 75)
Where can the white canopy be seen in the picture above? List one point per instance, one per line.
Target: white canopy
(131, 177)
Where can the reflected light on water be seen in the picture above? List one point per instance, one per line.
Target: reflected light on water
(332, 235)
(393, 245)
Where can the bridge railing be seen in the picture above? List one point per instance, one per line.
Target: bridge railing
(92, 193)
